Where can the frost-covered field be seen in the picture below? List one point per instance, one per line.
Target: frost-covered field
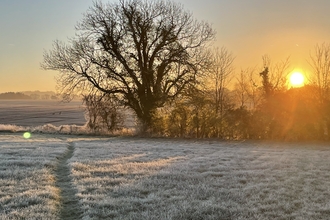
(45, 116)
(27, 183)
(133, 178)
(38, 113)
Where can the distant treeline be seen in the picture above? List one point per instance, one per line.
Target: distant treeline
(28, 96)
(14, 95)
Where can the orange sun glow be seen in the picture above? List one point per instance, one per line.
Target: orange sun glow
(297, 79)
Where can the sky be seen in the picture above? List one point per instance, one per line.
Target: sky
(247, 28)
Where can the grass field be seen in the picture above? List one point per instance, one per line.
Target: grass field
(27, 189)
(77, 177)
(41, 112)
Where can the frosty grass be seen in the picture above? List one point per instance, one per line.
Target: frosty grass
(132, 178)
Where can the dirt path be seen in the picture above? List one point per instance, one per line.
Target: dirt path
(69, 208)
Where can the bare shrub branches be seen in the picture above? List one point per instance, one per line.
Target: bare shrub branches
(103, 113)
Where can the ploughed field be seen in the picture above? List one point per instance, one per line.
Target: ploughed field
(37, 113)
(77, 177)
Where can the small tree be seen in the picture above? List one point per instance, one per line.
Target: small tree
(220, 76)
(144, 53)
(277, 72)
(178, 121)
(267, 85)
(103, 113)
(320, 78)
(241, 89)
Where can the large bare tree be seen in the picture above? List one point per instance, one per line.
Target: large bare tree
(143, 52)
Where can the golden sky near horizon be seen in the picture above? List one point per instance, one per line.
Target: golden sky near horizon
(247, 28)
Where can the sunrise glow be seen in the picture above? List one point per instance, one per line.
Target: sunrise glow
(297, 79)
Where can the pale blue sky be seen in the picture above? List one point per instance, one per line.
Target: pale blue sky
(248, 28)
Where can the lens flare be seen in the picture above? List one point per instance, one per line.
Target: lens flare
(27, 135)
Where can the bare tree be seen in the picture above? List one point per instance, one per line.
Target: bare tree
(277, 72)
(143, 52)
(102, 112)
(219, 76)
(248, 89)
(220, 73)
(241, 89)
(320, 63)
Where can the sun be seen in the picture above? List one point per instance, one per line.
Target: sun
(297, 79)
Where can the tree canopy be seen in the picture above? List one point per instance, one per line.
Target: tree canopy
(143, 53)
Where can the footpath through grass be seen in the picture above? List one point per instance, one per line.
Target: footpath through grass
(27, 183)
(175, 179)
(131, 178)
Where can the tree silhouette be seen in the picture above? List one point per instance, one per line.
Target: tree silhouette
(267, 86)
(143, 52)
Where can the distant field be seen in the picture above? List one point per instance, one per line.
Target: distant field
(35, 113)
(77, 177)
